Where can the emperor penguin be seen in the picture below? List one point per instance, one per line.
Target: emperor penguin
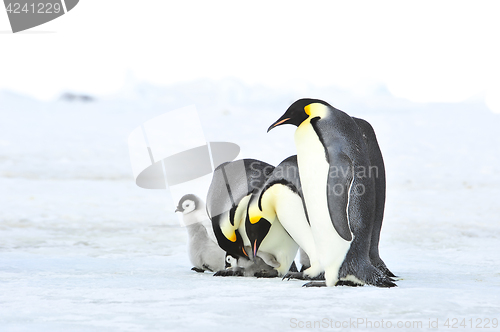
(339, 191)
(280, 203)
(227, 200)
(204, 253)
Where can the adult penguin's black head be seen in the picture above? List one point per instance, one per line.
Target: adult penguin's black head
(229, 239)
(257, 229)
(298, 112)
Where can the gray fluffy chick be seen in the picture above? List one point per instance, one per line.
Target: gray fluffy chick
(204, 253)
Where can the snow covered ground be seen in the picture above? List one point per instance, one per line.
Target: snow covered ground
(82, 248)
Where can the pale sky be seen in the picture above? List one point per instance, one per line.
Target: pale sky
(425, 51)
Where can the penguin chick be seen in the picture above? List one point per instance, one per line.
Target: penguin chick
(268, 258)
(203, 252)
(244, 267)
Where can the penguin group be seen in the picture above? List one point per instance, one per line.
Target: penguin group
(328, 201)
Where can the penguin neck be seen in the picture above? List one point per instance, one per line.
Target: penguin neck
(307, 140)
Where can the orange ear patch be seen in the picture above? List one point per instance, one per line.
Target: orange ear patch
(254, 220)
(307, 109)
(232, 237)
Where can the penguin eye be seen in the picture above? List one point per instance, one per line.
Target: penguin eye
(228, 259)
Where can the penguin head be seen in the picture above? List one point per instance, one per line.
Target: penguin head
(257, 228)
(228, 238)
(187, 204)
(299, 111)
(230, 261)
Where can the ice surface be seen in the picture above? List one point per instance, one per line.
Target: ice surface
(82, 248)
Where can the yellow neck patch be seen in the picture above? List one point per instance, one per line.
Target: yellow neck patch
(316, 109)
(254, 220)
(231, 237)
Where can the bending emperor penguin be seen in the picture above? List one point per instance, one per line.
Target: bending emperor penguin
(228, 196)
(227, 199)
(280, 201)
(204, 253)
(339, 191)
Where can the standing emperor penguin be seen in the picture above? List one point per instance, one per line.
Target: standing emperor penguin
(339, 188)
(203, 252)
(280, 201)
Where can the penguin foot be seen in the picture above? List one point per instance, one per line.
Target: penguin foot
(302, 276)
(380, 279)
(315, 284)
(363, 272)
(387, 272)
(266, 274)
(375, 277)
(197, 269)
(386, 283)
(379, 264)
(207, 268)
(230, 273)
(293, 275)
(347, 283)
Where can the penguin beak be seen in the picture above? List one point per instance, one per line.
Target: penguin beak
(178, 210)
(280, 121)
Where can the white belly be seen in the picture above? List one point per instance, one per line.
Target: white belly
(277, 241)
(281, 245)
(313, 171)
(290, 212)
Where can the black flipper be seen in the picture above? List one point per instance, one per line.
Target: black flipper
(339, 182)
(197, 269)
